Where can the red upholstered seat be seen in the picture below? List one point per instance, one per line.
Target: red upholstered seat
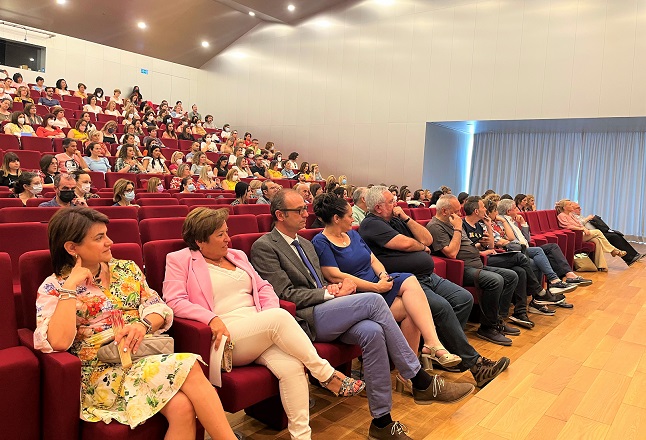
(420, 213)
(104, 201)
(242, 224)
(142, 194)
(34, 143)
(200, 205)
(7, 202)
(111, 178)
(254, 209)
(244, 242)
(98, 179)
(162, 211)
(157, 201)
(29, 160)
(124, 231)
(265, 222)
(118, 212)
(27, 214)
(309, 233)
(19, 371)
(9, 142)
(161, 228)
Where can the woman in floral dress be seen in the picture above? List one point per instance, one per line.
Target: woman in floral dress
(73, 313)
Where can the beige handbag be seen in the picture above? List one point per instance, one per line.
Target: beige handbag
(583, 263)
(150, 345)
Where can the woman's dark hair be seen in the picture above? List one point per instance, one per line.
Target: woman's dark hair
(88, 100)
(200, 223)
(518, 199)
(17, 76)
(462, 197)
(305, 168)
(330, 187)
(435, 197)
(45, 162)
(194, 120)
(293, 155)
(184, 183)
(506, 197)
(487, 192)
(123, 151)
(23, 179)
(70, 224)
(314, 187)
(241, 189)
(208, 116)
(98, 92)
(46, 117)
(272, 164)
(89, 148)
(326, 206)
(59, 84)
(15, 116)
(490, 205)
(221, 159)
(339, 191)
(417, 195)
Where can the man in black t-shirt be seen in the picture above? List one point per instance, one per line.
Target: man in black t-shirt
(497, 284)
(258, 169)
(402, 245)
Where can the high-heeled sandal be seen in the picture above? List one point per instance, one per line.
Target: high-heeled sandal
(402, 385)
(618, 253)
(349, 386)
(446, 360)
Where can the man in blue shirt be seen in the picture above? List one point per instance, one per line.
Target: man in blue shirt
(48, 100)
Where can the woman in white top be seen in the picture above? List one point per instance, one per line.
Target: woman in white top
(92, 105)
(117, 97)
(157, 164)
(199, 161)
(208, 144)
(61, 87)
(60, 121)
(111, 109)
(243, 168)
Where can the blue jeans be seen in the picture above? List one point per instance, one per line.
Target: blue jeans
(497, 285)
(451, 306)
(365, 319)
(539, 259)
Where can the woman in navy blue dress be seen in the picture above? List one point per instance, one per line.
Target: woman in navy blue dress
(343, 254)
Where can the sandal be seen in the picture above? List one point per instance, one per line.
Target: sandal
(446, 360)
(349, 386)
(618, 253)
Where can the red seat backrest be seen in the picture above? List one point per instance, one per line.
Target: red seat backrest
(532, 221)
(265, 222)
(552, 219)
(9, 142)
(18, 238)
(26, 214)
(34, 143)
(227, 207)
(161, 228)
(155, 256)
(111, 178)
(161, 201)
(162, 211)
(124, 230)
(543, 221)
(142, 194)
(199, 201)
(29, 160)
(244, 242)
(242, 224)
(98, 179)
(251, 209)
(420, 213)
(101, 201)
(309, 233)
(8, 334)
(6, 202)
(118, 212)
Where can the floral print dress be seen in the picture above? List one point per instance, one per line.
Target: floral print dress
(108, 391)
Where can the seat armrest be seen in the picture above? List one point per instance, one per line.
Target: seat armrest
(289, 306)
(192, 337)
(454, 270)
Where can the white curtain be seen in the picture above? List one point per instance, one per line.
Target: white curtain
(604, 172)
(543, 164)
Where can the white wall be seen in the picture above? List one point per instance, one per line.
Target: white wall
(446, 154)
(358, 84)
(109, 68)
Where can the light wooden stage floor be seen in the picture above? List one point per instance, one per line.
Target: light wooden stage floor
(580, 374)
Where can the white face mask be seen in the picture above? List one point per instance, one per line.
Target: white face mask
(85, 187)
(178, 161)
(36, 189)
(191, 187)
(235, 178)
(210, 174)
(50, 122)
(129, 196)
(21, 121)
(208, 139)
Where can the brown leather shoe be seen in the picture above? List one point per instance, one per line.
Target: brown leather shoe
(442, 392)
(394, 430)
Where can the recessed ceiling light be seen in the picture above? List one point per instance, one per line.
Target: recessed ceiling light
(141, 25)
(205, 44)
(291, 8)
(31, 59)
(61, 2)
(253, 14)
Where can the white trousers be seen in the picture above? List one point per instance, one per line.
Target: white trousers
(274, 339)
(602, 245)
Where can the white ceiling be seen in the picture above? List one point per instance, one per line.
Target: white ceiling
(572, 125)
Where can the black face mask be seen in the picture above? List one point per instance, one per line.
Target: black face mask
(66, 196)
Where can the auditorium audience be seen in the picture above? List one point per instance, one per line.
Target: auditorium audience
(176, 159)
(19, 126)
(243, 191)
(272, 172)
(207, 179)
(47, 128)
(79, 132)
(70, 160)
(95, 159)
(208, 123)
(229, 183)
(64, 187)
(61, 121)
(568, 219)
(111, 109)
(49, 100)
(127, 161)
(10, 171)
(359, 208)
(80, 91)
(96, 136)
(93, 105)
(48, 170)
(242, 167)
(154, 185)
(169, 132)
(83, 185)
(23, 96)
(198, 161)
(268, 190)
(183, 171)
(123, 193)
(186, 185)
(28, 186)
(5, 109)
(318, 306)
(83, 271)
(61, 87)
(287, 171)
(208, 143)
(157, 164)
(33, 118)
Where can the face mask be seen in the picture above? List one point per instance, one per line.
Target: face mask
(36, 189)
(50, 122)
(130, 116)
(184, 123)
(191, 187)
(235, 178)
(160, 188)
(344, 181)
(67, 195)
(210, 174)
(21, 121)
(111, 130)
(258, 192)
(178, 161)
(129, 196)
(279, 158)
(208, 139)
(408, 199)
(227, 129)
(85, 187)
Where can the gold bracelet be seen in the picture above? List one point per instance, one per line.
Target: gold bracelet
(64, 294)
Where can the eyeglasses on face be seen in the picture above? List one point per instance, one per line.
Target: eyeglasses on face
(302, 210)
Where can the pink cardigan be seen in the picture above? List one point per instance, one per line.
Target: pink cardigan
(568, 222)
(188, 289)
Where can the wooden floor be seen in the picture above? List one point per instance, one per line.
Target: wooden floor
(580, 374)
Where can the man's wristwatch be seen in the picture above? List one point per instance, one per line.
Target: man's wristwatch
(407, 220)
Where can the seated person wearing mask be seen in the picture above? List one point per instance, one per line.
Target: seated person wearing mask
(65, 187)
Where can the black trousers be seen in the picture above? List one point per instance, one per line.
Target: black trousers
(621, 243)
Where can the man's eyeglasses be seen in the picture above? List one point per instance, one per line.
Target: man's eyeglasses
(302, 210)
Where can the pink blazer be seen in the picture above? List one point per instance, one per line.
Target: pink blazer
(568, 222)
(188, 289)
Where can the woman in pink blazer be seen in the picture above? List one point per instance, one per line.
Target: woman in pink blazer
(210, 283)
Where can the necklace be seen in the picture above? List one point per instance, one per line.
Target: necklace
(96, 279)
(340, 237)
